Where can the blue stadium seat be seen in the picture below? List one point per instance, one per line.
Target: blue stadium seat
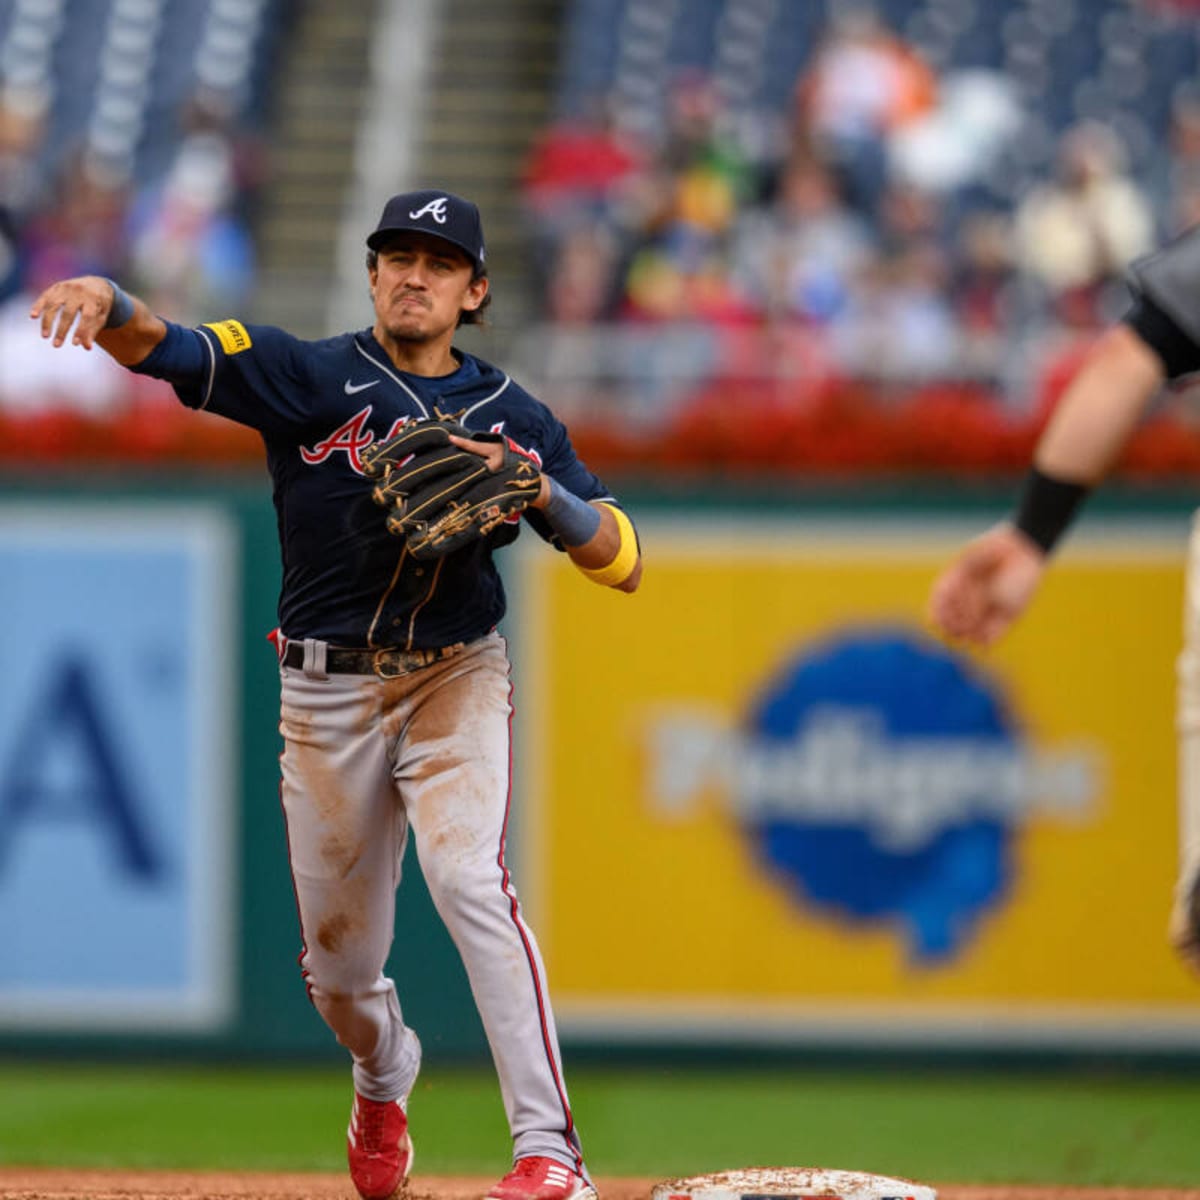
(589, 53)
(1171, 55)
(693, 43)
(980, 46)
(897, 13)
(77, 61)
(793, 35)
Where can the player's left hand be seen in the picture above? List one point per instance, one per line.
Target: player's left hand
(83, 302)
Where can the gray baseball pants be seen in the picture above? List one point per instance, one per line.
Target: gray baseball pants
(365, 761)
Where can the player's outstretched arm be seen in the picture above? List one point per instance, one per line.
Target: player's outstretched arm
(93, 310)
(987, 587)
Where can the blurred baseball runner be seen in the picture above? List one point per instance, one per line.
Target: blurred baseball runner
(992, 581)
(395, 684)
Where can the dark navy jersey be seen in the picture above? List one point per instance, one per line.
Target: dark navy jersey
(318, 406)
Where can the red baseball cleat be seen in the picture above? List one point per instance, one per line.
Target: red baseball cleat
(378, 1147)
(535, 1178)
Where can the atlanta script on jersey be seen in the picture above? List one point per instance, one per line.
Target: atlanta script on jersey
(319, 406)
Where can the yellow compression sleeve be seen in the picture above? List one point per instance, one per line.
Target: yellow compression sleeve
(625, 560)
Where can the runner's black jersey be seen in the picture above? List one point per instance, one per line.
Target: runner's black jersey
(318, 406)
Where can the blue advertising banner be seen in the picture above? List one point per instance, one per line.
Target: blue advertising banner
(116, 772)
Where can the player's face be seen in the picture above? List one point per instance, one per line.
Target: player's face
(420, 286)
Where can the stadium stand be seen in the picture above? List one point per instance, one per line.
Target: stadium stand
(819, 199)
(914, 194)
(127, 148)
(126, 128)
(1068, 59)
(116, 76)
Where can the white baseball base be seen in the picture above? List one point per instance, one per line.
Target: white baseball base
(791, 1183)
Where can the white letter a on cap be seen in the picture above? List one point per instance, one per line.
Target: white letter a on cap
(435, 208)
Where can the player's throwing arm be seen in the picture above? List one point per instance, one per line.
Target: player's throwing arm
(92, 310)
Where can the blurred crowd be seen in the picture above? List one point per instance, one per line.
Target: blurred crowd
(178, 235)
(901, 220)
(891, 211)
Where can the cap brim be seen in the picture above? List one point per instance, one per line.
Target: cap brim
(377, 239)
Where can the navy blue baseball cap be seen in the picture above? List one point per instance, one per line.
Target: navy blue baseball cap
(441, 214)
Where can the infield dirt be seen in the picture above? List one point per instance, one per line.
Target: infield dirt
(39, 1183)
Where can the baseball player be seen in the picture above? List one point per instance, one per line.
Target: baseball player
(994, 578)
(395, 684)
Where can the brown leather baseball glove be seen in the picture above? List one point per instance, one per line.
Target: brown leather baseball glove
(441, 497)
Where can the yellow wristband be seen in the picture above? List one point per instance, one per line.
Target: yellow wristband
(622, 565)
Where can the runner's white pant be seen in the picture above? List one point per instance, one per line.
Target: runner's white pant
(365, 760)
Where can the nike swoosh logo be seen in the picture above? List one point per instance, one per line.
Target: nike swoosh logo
(350, 388)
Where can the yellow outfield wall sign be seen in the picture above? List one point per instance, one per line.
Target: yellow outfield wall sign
(764, 802)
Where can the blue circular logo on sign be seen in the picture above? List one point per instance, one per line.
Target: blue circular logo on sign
(881, 778)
